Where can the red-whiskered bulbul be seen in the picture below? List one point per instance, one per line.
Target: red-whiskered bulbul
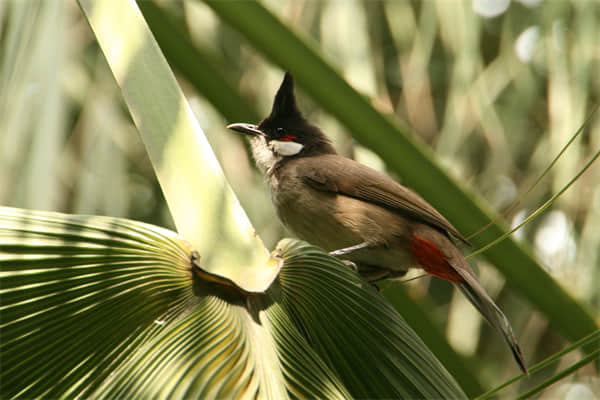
(356, 213)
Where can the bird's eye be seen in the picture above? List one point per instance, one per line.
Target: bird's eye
(279, 131)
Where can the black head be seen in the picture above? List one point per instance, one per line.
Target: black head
(286, 126)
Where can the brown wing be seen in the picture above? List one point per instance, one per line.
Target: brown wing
(341, 175)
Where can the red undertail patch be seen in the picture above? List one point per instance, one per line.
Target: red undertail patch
(433, 261)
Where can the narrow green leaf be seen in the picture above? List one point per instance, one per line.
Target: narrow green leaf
(567, 371)
(198, 67)
(580, 344)
(536, 183)
(204, 207)
(540, 209)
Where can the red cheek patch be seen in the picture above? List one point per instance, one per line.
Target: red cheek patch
(287, 138)
(433, 261)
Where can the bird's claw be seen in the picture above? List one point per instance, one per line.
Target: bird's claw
(351, 264)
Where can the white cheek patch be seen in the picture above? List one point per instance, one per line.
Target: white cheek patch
(287, 148)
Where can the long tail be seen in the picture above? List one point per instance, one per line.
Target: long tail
(437, 263)
(492, 313)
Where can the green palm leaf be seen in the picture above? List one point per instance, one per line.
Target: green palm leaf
(108, 307)
(324, 302)
(78, 293)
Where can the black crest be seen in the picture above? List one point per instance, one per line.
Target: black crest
(285, 112)
(284, 105)
(286, 119)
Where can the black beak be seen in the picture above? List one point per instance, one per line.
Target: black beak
(248, 129)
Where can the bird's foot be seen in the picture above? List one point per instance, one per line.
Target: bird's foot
(351, 264)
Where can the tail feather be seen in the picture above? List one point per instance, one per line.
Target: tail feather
(473, 290)
(435, 253)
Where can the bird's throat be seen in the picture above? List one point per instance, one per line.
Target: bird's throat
(263, 155)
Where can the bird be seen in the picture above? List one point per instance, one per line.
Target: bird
(368, 220)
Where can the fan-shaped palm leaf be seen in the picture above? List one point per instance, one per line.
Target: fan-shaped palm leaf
(99, 306)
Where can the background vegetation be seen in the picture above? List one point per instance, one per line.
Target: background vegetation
(495, 93)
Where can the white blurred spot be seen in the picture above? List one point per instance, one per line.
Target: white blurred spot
(579, 391)
(464, 325)
(159, 322)
(504, 193)
(554, 241)
(518, 219)
(526, 43)
(490, 8)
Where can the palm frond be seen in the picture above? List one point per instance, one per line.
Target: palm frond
(108, 307)
(77, 293)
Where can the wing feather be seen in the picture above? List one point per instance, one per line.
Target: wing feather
(335, 174)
